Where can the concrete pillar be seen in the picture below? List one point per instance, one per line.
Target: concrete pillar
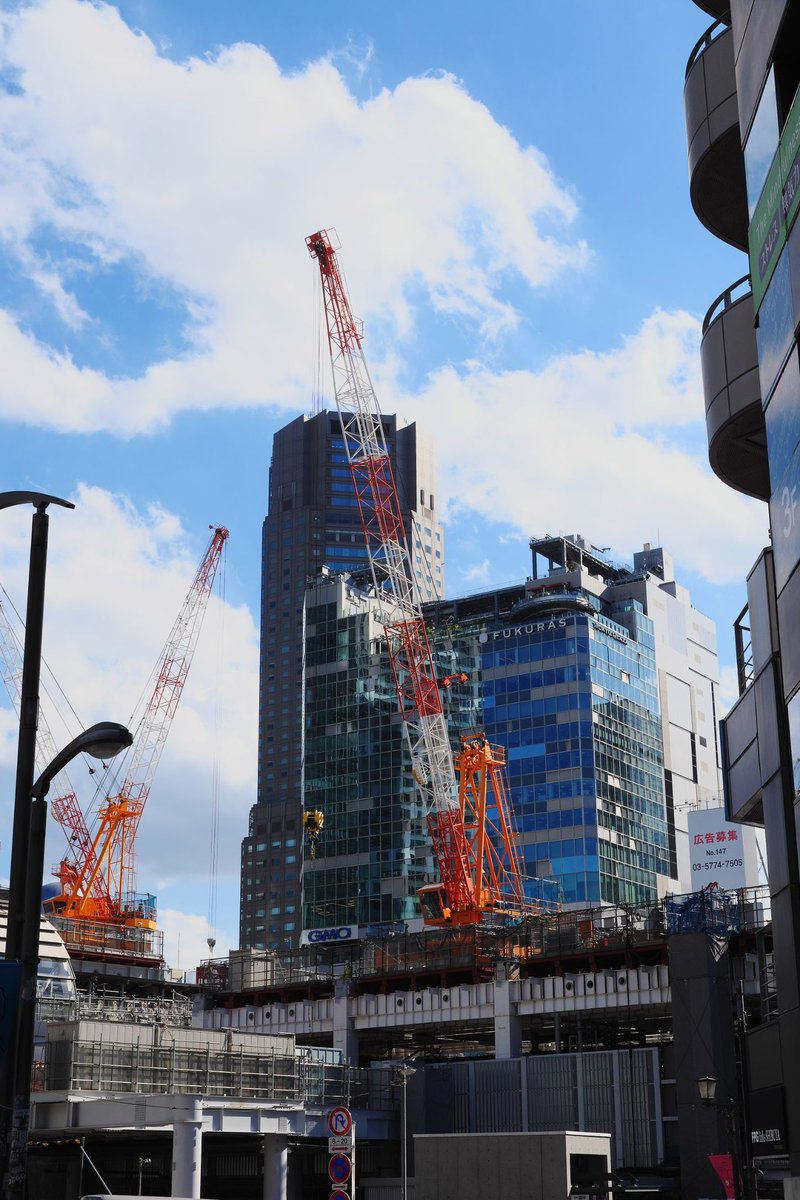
(187, 1148)
(507, 1025)
(276, 1166)
(345, 1037)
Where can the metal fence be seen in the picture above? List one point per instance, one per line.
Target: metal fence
(105, 939)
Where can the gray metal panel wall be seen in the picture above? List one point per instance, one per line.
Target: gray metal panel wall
(552, 1092)
(498, 1096)
(608, 1091)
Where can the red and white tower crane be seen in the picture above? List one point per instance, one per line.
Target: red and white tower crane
(478, 877)
(101, 885)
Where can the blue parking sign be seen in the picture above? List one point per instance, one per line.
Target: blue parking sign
(339, 1168)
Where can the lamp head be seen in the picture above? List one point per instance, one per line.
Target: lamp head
(104, 740)
(707, 1086)
(110, 739)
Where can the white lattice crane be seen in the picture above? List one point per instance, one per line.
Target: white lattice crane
(477, 854)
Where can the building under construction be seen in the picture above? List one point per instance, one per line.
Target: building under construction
(594, 1020)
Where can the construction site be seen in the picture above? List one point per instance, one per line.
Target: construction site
(497, 1010)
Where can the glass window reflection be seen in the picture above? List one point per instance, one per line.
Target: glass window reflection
(762, 143)
(775, 325)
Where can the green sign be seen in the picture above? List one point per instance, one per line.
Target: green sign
(777, 206)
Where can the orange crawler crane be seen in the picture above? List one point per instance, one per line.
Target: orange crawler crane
(490, 839)
(98, 875)
(471, 829)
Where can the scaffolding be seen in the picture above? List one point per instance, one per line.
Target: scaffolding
(207, 1069)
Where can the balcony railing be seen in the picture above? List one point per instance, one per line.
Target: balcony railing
(710, 35)
(744, 650)
(726, 299)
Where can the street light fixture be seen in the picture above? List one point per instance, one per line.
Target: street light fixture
(143, 1162)
(103, 741)
(707, 1087)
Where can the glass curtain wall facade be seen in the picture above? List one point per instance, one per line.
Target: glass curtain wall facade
(312, 522)
(374, 851)
(573, 697)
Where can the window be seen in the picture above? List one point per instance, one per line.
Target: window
(762, 142)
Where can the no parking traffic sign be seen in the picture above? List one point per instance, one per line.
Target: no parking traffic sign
(338, 1196)
(339, 1168)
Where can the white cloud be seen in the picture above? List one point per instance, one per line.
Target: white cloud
(185, 939)
(116, 579)
(477, 572)
(207, 175)
(594, 443)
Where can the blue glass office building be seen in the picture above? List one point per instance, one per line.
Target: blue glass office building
(569, 686)
(573, 696)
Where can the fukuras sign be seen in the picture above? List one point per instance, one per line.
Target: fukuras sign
(547, 623)
(717, 850)
(336, 933)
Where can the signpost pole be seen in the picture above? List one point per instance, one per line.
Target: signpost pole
(341, 1151)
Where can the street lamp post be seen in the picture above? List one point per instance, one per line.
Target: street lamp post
(102, 741)
(404, 1074)
(26, 753)
(29, 707)
(143, 1162)
(707, 1087)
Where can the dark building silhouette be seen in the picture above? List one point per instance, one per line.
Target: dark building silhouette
(743, 129)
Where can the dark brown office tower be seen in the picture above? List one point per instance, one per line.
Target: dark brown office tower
(312, 522)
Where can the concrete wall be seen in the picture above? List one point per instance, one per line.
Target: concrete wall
(521, 1166)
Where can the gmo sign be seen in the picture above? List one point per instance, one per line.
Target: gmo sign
(336, 933)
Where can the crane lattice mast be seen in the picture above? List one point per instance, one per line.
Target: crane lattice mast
(113, 847)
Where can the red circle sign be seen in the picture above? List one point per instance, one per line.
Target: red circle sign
(340, 1121)
(340, 1168)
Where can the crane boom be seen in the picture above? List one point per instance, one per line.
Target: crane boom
(112, 850)
(470, 890)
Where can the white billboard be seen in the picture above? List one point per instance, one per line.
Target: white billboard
(721, 852)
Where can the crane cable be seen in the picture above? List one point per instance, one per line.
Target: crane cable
(317, 375)
(213, 851)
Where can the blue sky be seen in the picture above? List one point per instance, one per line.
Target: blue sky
(511, 197)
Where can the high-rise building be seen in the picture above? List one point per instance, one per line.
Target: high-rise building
(743, 129)
(600, 682)
(375, 850)
(312, 521)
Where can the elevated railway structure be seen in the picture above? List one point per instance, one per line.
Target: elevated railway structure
(593, 979)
